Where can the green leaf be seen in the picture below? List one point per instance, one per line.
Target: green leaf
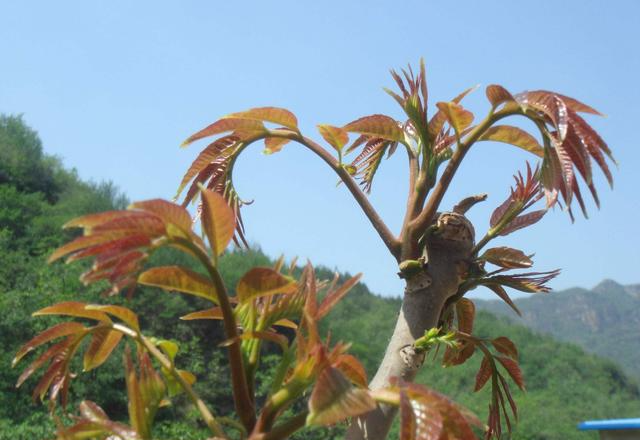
(334, 399)
(170, 348)
(179, 279)
(218, 220)
(378, 126)
(514, 136)
(268, 114)
(263, 281)
(335, 136)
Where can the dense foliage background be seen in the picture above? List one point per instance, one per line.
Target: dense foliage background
(37, 195)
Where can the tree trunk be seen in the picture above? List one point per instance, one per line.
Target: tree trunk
(447, 255)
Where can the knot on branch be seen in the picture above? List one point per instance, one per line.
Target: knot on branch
(411, 358)
(451, 232)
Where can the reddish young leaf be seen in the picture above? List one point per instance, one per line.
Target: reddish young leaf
(54, 350)
(268, 336)
(103, 342)
(514, 136)
(513, 369)
(483, 375)
(334, 399)
(408, 424)
(466, 312)
(167, 211)
(55, 332)
(505, 346)
(223, 146)
(267, 114)
(122, 313)
(72, 308)
(523, 221)
(497, 95)
(225, 125)
(274, 144)
(335, 136)
(499, 290)
(378, 126)
(458, 117)
(334, 296)
(218, 221)
(507, 257)
(263, 281)
(353, 370)
(179, 279)
(212, 313)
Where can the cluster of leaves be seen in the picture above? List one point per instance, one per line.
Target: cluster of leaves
(265, 299)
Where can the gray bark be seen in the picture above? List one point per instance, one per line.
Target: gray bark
(447, 254)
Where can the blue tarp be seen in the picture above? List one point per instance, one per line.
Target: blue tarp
(610, 424)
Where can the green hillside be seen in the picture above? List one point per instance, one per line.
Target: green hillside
(603, 320)
(565, 384)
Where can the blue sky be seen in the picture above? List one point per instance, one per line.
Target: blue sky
(113, 87)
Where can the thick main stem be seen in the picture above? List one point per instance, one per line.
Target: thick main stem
(425, 296)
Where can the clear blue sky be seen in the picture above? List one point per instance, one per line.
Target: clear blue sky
(113, 87)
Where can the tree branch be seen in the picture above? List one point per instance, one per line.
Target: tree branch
(392, 243)
(429, 211)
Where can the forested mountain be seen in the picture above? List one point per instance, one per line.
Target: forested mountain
(565, 384)
(604, 320)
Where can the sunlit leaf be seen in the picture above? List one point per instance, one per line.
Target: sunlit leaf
(122, 313)
(507, 257)
(263, 281)
(218, 221)
(72, 308)
(179, 279)
(458, 117)
(274, 144)
(497, 95)
(267, 114)
(514, 136)
(167, 211)
(378, 126)
(522, 221)
(335, 136)
(334, 399)
(225, 125)
(334, 296)
(353, 370)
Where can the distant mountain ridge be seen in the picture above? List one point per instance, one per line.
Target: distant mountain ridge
(604, 320)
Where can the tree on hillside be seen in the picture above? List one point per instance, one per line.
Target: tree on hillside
(436, 250)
